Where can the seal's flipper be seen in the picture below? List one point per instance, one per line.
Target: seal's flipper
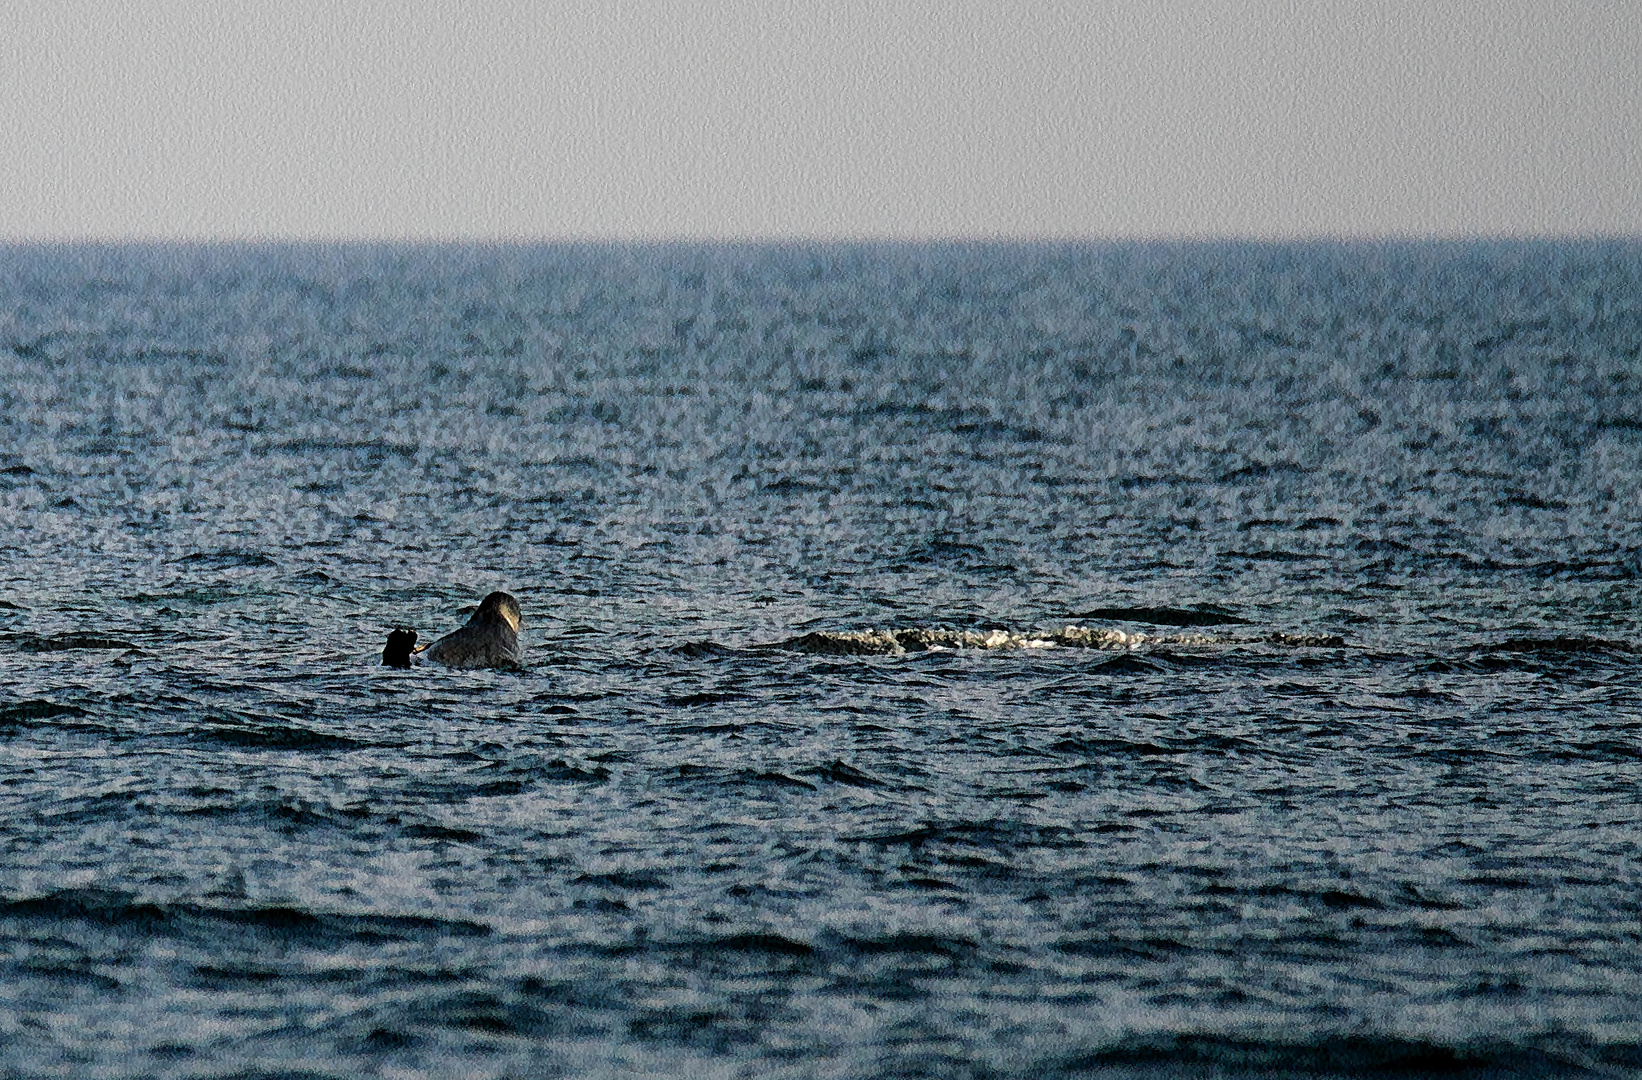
(397, 652)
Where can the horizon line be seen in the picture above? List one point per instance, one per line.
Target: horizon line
(771, 240)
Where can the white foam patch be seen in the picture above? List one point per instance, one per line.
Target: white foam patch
(893, 642)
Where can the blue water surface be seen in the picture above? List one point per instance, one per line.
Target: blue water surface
(805, 776)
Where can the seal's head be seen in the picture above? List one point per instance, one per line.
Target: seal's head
(499, 605)
(397, 652)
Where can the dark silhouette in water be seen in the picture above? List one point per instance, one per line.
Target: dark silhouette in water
(397, 652)
(490, 639)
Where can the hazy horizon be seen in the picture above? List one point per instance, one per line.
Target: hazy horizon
(842, 122)
(1206, 240)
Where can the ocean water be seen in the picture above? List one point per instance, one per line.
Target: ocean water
(944, 660)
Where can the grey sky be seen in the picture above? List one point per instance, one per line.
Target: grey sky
(897, 118)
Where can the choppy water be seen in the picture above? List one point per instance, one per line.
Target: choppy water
(807, 776)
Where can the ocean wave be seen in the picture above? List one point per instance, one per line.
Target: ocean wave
(19, 713)
(273, 736)
(1559, 645)
(917, 639)
(70, 642)
(124, 911)
(1166, 616)
(1337, 1055)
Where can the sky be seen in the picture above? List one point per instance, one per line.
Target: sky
(903, 119)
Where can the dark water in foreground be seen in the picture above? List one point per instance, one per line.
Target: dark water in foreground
(1363, 795)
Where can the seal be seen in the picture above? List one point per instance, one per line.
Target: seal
(489, 640)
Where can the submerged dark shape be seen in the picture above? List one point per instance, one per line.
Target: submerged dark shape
(397, 652)
(1166, 616)
(490, 638)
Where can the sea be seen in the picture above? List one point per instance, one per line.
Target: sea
(962, 660)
